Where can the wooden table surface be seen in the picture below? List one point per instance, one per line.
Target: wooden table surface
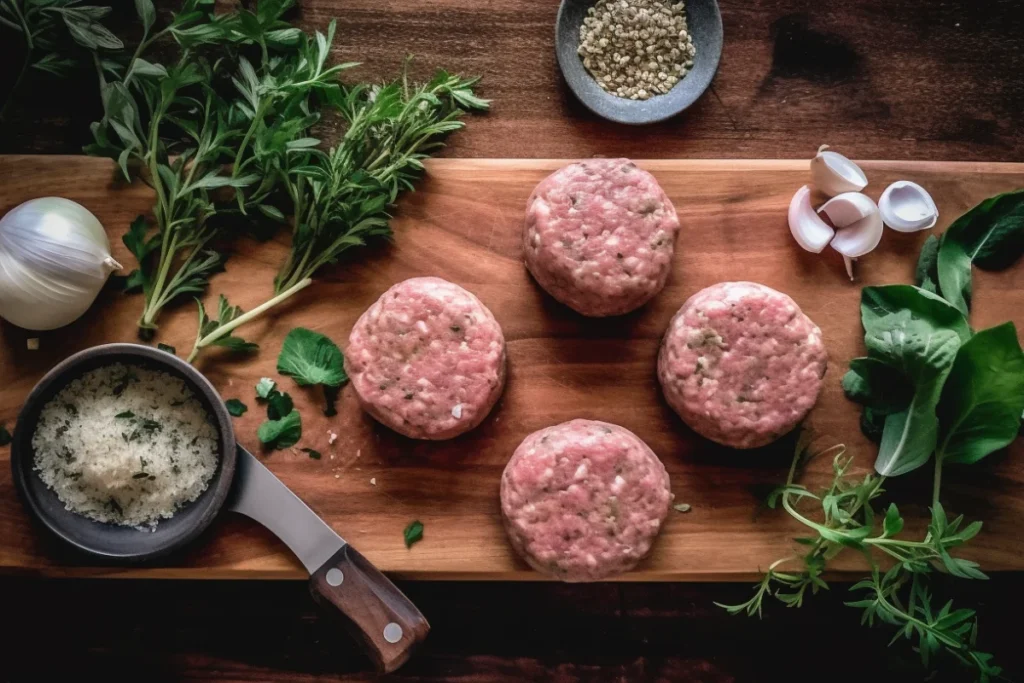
(913, 79)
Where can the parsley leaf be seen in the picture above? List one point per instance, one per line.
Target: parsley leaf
(5, 436)
(282, 433)
(278, 405)
(413, 533)
(235, 407)
(311, 358)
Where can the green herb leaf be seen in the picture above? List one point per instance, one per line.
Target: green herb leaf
(167, 348)
(282, 433)
(983, 396)
(278, 405)
(926, 275)
(313, 453)
(311, 358)
(893, 523)
(413, 533)
(895, 307)
(264, 387)
(235, 407)
(991, 235)
(146, 12)
(5, 436)
(877, 385)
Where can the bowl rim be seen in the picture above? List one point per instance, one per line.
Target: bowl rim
(662, 114)
(212, 498)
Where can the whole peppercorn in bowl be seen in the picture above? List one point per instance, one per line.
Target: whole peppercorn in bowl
(638, 61)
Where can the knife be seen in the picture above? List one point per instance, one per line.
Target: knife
(372, 607)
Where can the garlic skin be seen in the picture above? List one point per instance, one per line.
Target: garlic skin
(833, 174)
(907, 207)
(810, 232)
(54, 259)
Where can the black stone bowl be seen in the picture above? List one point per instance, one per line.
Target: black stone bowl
(111, 542)
(705, 26)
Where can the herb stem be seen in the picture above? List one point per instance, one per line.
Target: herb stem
(937, 479)
(246, 317)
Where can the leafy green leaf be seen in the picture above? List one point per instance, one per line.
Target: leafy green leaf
(413, 533)
(311, 358)
(235, 407)
(926, 275)
(983, 397)
(5, 436)
(893, 523)
(877, 385)
(889, 309)
(990, 235)
(278, 405)
(282, 433)
(264, 387)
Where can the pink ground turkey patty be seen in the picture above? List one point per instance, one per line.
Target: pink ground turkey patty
(427, 359)
(584, 500)
(741, 364)
(599, 236)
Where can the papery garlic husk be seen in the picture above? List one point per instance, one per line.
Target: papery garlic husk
(833, 174)
(907, 207)
(54, 259)
(810, 232)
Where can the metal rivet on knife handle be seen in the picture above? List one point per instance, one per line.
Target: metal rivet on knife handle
(335, 577)
(392, 632)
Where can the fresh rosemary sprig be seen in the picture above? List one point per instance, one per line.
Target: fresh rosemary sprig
(341, 198)
(900, 596)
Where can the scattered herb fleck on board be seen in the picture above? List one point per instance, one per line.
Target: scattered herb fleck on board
(932, 389)
(413, 533)
(235, 407)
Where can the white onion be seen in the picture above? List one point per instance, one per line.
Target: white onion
(54, 259)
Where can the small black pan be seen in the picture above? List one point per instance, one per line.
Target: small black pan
(388, 624)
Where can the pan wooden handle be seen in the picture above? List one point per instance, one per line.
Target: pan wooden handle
(373, 609)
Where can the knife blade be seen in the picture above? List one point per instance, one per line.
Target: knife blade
(258, 494)
(372, 608)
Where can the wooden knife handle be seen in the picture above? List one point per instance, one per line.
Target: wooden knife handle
(373, 609)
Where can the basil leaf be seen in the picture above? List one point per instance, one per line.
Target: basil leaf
(282, 433)
(892, 307)
(909, 436)
(311, 358)
(877, 385)
(984, 396)
(413, 533)
(235, 407)
(991, 235)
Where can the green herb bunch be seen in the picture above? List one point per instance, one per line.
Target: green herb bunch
(930, 386)
(179, 126)
(339, 199)
(45, 27)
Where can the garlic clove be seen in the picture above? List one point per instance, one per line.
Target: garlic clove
(833, 174)
(848, 208)
(810, 232)
(907, 207)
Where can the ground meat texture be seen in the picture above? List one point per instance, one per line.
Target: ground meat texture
(427, 359)
(741, 364)
(584, 500)
(599, 236)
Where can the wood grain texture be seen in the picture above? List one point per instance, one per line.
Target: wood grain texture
(913, 79)
(464, 224)
(482, 632)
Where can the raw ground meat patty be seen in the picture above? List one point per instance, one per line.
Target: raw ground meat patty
(583, 500)
(741, 364)
(427, 359)
(599, 236)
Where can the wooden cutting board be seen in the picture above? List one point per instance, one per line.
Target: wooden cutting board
(463, 223)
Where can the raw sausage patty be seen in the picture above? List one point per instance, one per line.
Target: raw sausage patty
(741, 364)
(600, 235)
(427, 359)
(584, 500)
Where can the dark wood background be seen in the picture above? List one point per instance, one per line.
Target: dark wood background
(916, 79)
